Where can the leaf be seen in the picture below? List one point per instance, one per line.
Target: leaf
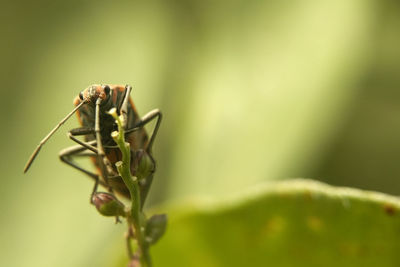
(156, 227)
(293, 223)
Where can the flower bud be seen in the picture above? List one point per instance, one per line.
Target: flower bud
(145, 165)
(108, 205)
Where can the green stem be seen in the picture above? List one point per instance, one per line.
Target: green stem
(134, 218)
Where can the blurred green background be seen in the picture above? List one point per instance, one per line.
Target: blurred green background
(251, 91)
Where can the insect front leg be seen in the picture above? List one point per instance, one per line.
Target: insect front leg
(82, 131)
(104, 163)
(85, 131)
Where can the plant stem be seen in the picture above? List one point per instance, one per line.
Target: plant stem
(134, 218)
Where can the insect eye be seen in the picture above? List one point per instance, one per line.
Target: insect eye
(81, 96)
(107, 89)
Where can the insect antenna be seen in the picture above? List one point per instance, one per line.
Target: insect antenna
(36, 152)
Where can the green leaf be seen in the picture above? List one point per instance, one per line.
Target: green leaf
(294, 223)
(156, 227)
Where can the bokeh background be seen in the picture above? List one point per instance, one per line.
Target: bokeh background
(250, 90)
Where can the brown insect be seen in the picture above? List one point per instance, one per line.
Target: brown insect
(92, 106)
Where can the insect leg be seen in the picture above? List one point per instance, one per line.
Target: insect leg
(90, 146)
(125, 102)
(155, 113)
(68, 153)
(75, 151)
(105, 165)
(146, 118)
(82, 131)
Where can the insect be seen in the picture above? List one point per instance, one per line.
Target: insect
(92, 106)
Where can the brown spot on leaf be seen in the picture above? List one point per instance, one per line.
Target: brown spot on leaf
(389, 209)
